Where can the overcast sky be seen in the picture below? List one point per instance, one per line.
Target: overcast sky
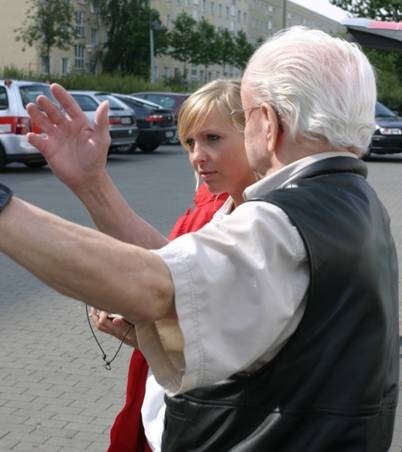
(323, 7)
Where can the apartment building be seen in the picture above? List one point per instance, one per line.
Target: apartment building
(258, 19)
(83, 56)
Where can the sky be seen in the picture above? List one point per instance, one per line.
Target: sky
(323, 7)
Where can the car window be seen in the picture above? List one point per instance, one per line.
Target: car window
(164, 101)
(85, 102)
(114, 104)
(3, 98)
(133, 103)
(384, 112)
(29, 93)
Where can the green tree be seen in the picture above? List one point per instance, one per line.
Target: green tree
(242, 51)
(225, 48)
(183, 40)
(128, 23)
(374, 9)
(48, 24)
(206, 52)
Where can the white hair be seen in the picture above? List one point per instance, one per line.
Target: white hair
(321, 86)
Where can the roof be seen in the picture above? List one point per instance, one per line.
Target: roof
(375, 33)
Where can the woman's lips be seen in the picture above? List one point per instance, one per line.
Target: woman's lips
(207, 175)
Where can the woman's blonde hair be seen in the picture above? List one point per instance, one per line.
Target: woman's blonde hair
(223, 95)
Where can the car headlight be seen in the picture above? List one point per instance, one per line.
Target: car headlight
(390, 131)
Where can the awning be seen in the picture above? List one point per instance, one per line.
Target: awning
(375, 33)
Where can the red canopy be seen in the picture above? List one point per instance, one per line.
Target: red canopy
(375, 33)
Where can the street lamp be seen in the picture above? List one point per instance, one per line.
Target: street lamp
(284, 13)
(154, 25)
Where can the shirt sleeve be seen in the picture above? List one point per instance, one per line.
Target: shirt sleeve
(240, 283)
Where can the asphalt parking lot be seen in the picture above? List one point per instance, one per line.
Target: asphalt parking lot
(55, 394)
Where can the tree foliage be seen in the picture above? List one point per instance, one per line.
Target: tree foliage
(128, 24)
(201, 43)
(48, 24)
(373, 9)
(182, 40)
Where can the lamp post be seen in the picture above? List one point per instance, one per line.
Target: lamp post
(284, 13)
(154, 25)
(151, 52)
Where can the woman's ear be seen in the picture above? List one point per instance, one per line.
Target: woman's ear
(272, 125)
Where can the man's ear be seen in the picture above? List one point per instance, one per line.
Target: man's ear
(272, 125)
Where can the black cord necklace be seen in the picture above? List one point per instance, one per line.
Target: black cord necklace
(108, 362)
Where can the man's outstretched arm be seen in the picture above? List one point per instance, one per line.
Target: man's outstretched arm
(86, 264)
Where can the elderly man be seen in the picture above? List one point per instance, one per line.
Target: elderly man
(285, 312)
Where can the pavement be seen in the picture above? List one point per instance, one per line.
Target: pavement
(55, 394)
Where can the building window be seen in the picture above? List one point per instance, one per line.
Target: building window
(227, 12)
(79, 56)
(94, 36)
(195, 14)
(165, 72)
(212, 6)
(45, 63)
(79, 24)
(220, 10)
(244, 18)
(64, 65)
(238, 16)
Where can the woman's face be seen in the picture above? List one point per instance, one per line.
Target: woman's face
(216, 152)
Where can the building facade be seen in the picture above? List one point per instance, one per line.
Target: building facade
(83, 56)
(258, 19)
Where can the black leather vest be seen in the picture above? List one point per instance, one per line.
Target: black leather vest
(334, 386)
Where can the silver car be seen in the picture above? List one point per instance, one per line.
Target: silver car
(15, 122)
(122, 120)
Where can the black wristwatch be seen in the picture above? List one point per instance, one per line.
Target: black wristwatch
(5, 196)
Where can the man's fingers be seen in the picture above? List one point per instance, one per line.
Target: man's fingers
(52, 112)
(39, 118)
(66, 100)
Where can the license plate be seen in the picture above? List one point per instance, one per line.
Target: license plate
(169, 134)
(126, 120)
(5, 128)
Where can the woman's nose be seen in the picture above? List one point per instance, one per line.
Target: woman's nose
(199, 153)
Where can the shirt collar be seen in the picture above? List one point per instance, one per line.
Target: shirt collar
(274, 180)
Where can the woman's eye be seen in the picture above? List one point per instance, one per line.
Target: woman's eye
(190, 143)
(212, 137)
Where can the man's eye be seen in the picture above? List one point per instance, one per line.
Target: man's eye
(211, 137)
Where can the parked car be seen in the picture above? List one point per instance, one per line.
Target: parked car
(123, 127)
(172, 101)
(387, 138)
(156, 124)
(15, 122)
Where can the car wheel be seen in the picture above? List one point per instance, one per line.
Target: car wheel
(36, 164)
(147, 146)
(2, 159)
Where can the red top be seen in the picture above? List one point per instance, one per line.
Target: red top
(127, 433)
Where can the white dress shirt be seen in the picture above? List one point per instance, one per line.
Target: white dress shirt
(240, 285)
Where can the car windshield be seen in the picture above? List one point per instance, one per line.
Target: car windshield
(114, 104)
(85, 102)
(163, 100)
(381, 111)
(29, 93)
